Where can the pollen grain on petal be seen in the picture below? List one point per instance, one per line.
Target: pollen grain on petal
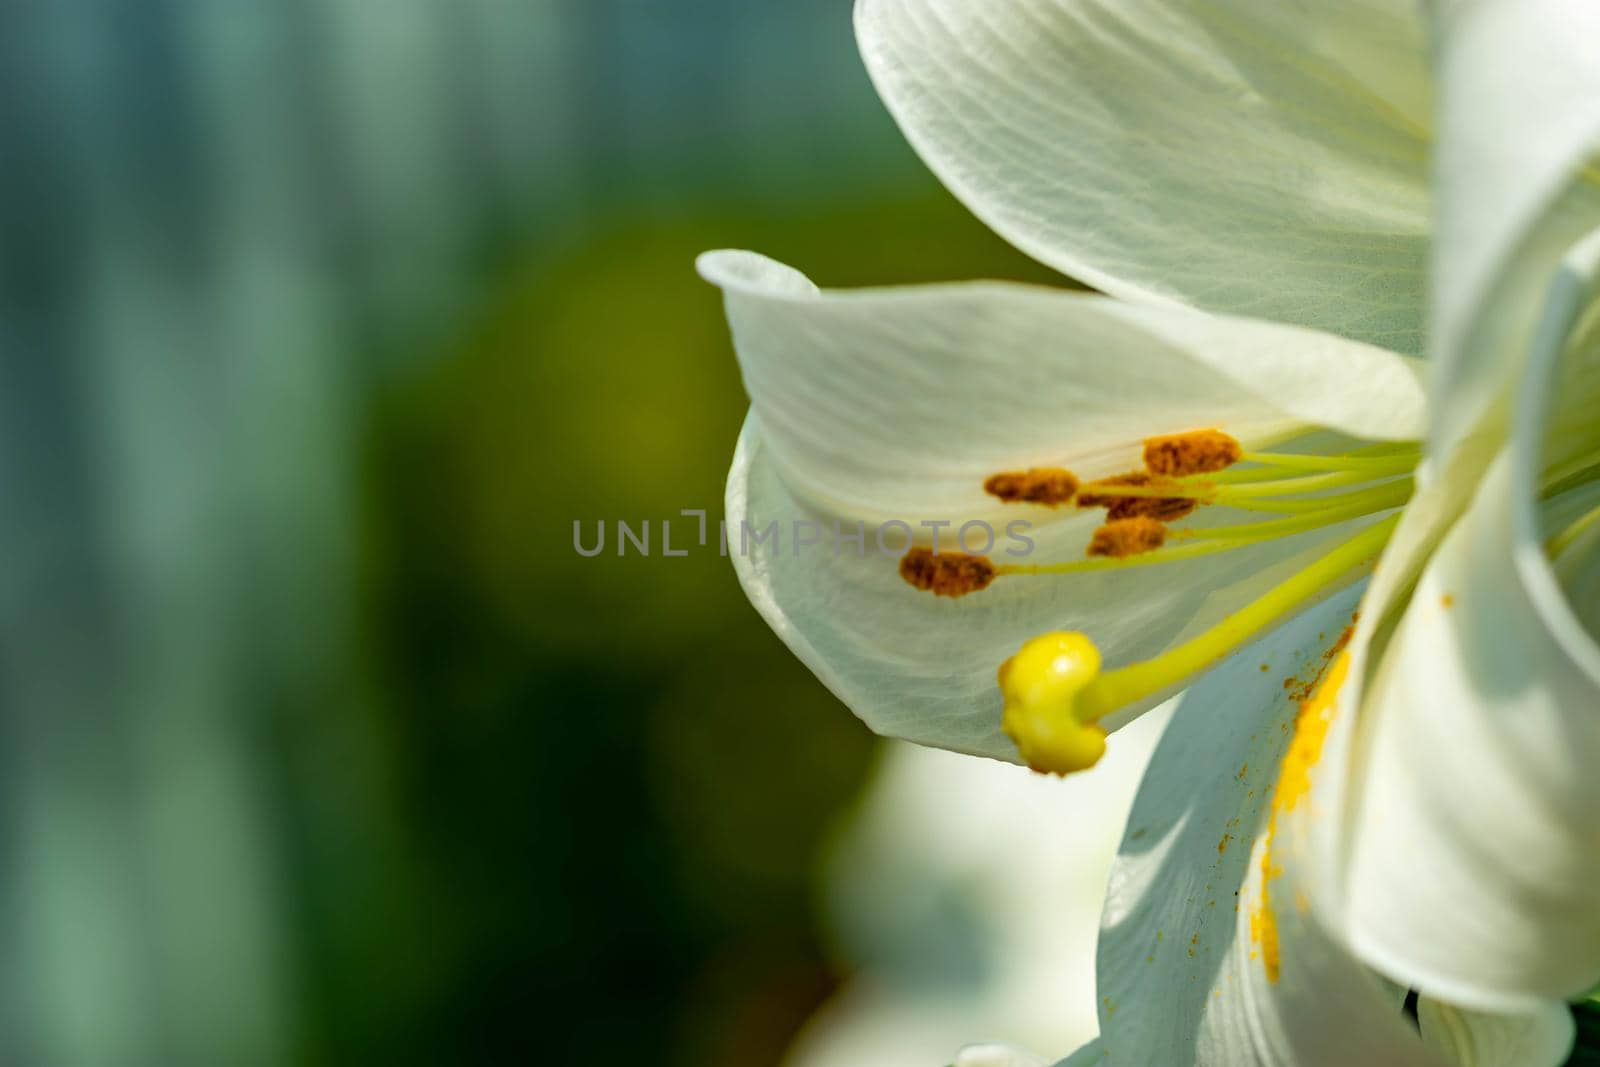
(1049, 486)
(1127, 537)
(1196, 452)
(946, 573)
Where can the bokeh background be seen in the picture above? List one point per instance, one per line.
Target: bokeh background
(322, 322)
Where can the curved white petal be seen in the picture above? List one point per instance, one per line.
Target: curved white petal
(900, 401)
(1187, 936)
(1474, 854)
(896, 404)
(1268, 160)
(1474, 871)
(1517, 185)
(1479, 1039)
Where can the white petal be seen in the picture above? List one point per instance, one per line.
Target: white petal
(1519, 90)
(1474, 865)
(901, 401)
(1563, 376)
(898, 403)
(1269, 161)
(1479, 1039)
(1475, 872)
(1183, 971)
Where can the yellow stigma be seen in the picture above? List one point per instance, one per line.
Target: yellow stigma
(1055, 691)
(1040, 685)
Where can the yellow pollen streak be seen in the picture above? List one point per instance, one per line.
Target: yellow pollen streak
(1311, 728)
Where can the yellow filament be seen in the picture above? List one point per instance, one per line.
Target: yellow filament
(1350, 506)
(1374, 497)
(1374, 465)
(1210, 540)
(1207, 490)
(1565, 539)
(1118, 688)
(1285, 486)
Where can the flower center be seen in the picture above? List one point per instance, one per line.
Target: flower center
(1054, 689)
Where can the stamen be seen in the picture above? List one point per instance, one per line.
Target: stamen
(1185, 471)
(1335, 510)
(1286, 486)
(1208, 492)
(1139, 485)
(1399, 488)
(1164, 509)
(1050, 486)
(1195, 452)
(949, 574)
(1127, 537)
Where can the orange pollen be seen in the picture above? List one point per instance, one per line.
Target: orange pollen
(1128, 537)
(1311, 727)
(1196, 452)
(1050, 486)
(946, 573)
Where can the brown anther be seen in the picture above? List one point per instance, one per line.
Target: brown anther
(946, 573)
(1127, 537)
(1162, 509)
(1195, 452)
(1050, 486)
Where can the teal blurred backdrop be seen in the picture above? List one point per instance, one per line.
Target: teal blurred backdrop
(322, 322)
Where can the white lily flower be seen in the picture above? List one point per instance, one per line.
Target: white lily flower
(1206, 160)
(897, 408)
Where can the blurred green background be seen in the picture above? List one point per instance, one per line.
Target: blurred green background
(322, 322)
